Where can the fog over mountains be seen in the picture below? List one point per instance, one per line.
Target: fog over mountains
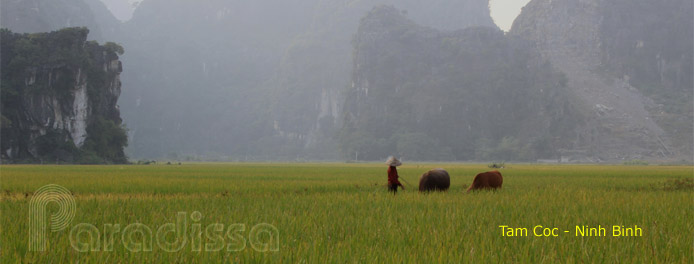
(573, 80)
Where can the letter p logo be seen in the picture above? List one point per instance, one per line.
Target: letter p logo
(37, 213)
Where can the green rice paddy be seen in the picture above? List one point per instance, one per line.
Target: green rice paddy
(342, 213)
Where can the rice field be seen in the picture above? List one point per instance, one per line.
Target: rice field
(342, 213)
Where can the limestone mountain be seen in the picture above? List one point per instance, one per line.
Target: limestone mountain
(258, 79)
(59, 98)
(629, 68)
(475, 93)
(234, 79)
(308, 89)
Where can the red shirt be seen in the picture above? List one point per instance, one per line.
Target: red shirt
(393, 176)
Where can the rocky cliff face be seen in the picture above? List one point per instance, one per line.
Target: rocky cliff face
(59, 98)
(310, 83)
(272, 95)
(473, 94)
(628, 65)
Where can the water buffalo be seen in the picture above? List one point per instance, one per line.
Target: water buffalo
(434, 180)
(487, 180)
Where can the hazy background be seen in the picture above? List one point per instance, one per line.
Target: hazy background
(503, 11)
(563, 80)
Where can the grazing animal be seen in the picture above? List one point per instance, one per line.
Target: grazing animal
(434, 180)
(487, 180)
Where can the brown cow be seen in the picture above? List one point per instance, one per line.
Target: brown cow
(434, 180)
(487, 180)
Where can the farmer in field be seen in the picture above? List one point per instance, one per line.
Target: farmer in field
(393, 181)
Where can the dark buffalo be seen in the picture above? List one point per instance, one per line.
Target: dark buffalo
(434, 180)
(487, 180)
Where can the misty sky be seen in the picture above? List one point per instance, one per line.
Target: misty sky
(505, 11)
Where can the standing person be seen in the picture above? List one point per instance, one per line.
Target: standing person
(393, 181)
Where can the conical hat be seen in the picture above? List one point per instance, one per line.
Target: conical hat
(392, 161)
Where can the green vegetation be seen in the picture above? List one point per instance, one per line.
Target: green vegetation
(40, 74)
(342, 212)
(635, 162)
(114, 48)
(678, 185)
(106, 140)
(46, 16)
